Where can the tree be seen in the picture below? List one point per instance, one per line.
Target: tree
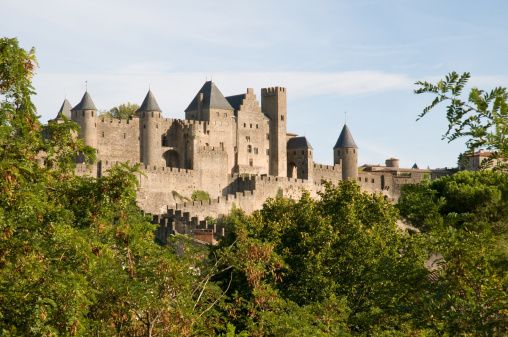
(464, 219)
(482, 119)
(325, 266)
(76, 255)
(123, 111)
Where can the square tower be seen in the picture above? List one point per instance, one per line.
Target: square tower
(273, 103)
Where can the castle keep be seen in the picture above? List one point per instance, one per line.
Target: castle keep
(234, 148)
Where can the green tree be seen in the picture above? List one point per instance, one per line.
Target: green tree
(76, 255)
(341, 258)
(482, 118)
(123, 111)
(464, 219)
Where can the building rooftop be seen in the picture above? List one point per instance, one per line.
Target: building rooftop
(345, 139)
(298, 143)
(65, 110)
(212, 98)
(149, 103)
(85, 104)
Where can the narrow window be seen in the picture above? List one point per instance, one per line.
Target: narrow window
(244, 125)
(247, 138)
(217, 114)
(255, 150)
(124, 136)
(225, 114)
(221, 144)
(249, 148)
(257, 126)
(373, 181)
(267, 152)
(251, 126)
(282, 117)
(267, 136)
(251, 163)
(164, 141)
(103, 134)
(156, 126)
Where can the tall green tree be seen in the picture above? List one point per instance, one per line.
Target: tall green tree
(123, 111)
(341, 258)
(481, 117)
(76, 255)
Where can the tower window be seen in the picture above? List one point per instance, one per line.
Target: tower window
(244, 125)
(103, 134)
(255, 150)
(251, 126)
(164, 141)
(249, 148)
(124, 136)
(257, 126)
(282, 117)
(267, 136)
(221, 144)
(225, 114)
(251, 163)
(247, 138)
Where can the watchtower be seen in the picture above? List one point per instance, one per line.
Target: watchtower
(150, 119)
(273, 103)
(85, 114)
(345, 150)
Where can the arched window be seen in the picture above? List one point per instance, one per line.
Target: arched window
(164, 141)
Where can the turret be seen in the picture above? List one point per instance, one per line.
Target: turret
(65, 110)
(273, 103)
(85, 114)
(150, 119)
(300, 162)
(345, 152)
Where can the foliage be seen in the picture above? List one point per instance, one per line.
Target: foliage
(76, 255)
(482, 119)
(123, 111)
(199, 195)
(465, 220)
(321, 267)
(178, 195)
(476, 200)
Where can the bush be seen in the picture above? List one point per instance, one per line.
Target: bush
(199, 195)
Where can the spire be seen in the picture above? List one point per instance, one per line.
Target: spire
(65, 110)
(212, 98)
(85, 104)
(345, 139)
(149, 103)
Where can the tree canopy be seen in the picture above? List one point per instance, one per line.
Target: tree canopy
(482, 118)
(123, 111)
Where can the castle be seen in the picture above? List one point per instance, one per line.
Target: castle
(234, 148)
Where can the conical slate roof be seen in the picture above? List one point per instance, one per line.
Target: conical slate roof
(65, 110)
(345, 139)
(415, 166)
(85, 104)
(212, 98)
(149, 103)
(299, 143)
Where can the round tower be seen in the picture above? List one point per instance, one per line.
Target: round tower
(85, 114)
(392, 162)
(345, 153)
(150, 120)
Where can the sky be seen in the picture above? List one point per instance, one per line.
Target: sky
(356, 60)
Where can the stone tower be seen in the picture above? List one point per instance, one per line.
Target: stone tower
(150, 118)
(209, 104)
(300, 162)
(85, 114)
(346, 151)
(273, 103)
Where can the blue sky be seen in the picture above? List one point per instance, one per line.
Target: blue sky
(357, 56)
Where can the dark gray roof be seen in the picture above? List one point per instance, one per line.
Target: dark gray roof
(212, 98)
(298, 143)
(65, 110)
(85, 104)
(345, 139)
(236, 101)
(415, 166)
(149, 103)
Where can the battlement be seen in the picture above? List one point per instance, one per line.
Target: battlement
(328, 168)
(212, 150)
(116, 121)
(272, 91)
